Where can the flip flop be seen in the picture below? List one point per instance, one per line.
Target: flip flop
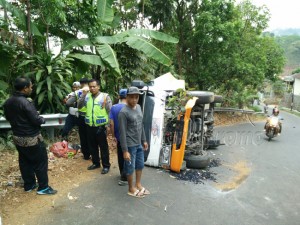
(136, 194)
(144, 191)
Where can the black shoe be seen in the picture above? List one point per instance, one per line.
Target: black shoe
(93, 166)
(105, 170)
(32, 188)
(123, 182)
(47, 191)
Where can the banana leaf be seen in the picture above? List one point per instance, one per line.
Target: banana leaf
(152, 34)
(148, 49)
(104, 10)
(109, 56)
(77, 43)
(91, 59)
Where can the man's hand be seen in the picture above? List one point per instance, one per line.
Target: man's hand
(145, 145)
(115, 139)
(126, 156)
(85, 90)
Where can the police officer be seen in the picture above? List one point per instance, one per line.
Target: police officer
(71, 119)
(82, 128)
(98, 105)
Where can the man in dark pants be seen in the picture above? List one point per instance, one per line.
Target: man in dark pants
(26, 124)
(98, 105)
(82, 127)
(114, 127)
(72, 118)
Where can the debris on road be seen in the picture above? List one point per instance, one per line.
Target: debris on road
(197, 176)
(89, 206)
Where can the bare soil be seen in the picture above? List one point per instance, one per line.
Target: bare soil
(64, 174)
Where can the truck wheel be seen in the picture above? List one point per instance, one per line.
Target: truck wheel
(204, 97)
(218, 99)
(197, 161)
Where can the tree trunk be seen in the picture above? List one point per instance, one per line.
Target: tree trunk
(143, 12)
(30, 39)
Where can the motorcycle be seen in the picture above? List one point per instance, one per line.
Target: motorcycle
(272, 127)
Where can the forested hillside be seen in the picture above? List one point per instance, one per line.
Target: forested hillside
(286, 32)
(291, 46)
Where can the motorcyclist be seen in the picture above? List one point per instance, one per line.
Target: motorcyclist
(275, 113)
(266, 108)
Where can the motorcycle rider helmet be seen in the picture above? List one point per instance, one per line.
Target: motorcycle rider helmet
(275, 112)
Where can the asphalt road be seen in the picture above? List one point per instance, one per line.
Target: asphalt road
(257, 183)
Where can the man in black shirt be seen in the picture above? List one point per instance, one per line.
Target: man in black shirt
(26, 123)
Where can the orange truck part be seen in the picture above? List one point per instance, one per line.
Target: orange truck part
(177, 155)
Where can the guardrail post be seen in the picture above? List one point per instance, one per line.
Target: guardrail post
(50, 132)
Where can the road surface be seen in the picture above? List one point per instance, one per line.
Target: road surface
(257, 183)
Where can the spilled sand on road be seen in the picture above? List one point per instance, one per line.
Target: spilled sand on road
(241, 171)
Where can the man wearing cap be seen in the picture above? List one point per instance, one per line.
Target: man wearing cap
(82, 127)
(98, 105)
(114, 127)
(132, 137)
(71, 119)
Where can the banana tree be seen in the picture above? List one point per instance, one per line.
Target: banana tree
(101, 47)
(105, 55)
(49, 75)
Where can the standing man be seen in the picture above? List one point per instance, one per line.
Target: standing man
(98, 105)
(82, 127)
(26, 123)
(132, 135)
(114, 127)
(71, 119)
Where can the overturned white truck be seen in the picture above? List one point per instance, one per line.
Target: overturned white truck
(181, 142)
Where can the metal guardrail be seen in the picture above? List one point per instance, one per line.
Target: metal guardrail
(221, 109)
(52, 121)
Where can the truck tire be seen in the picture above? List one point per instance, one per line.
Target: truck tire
(204, 97)
(197, 161)
(218, 99)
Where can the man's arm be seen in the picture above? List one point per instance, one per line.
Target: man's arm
(112, 124)
(122, 130)
(33, 115)
(108, 105)
(81, 101)
(71, 101)
(112, 128)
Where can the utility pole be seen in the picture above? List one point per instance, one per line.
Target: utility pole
(292, 103)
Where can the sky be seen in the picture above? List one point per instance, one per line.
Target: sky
(284, 14)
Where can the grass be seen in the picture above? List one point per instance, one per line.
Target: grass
(294, 112)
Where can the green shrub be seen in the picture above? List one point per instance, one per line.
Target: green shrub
(256, 108)
(6, 142)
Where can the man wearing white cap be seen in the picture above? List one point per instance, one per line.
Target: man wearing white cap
(71, 119)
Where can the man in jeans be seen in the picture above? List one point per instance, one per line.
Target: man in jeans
(26, 123)
(132, 135)
(114, 127)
